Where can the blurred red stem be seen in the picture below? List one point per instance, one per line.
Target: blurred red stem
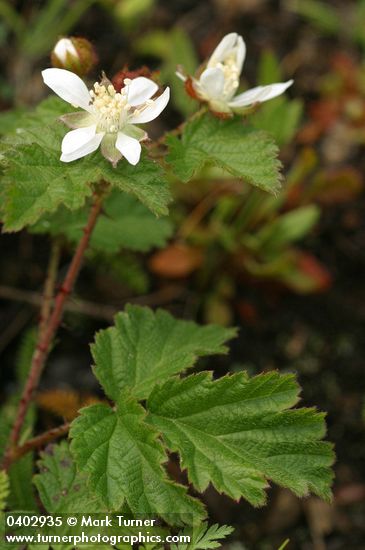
(45, 338)
(39, 441)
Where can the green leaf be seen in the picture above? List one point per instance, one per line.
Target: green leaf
(4, 489)
(144, 348)
(269, 69)
(21, 495)
(37, 182)
(9, 120)
(174, 47)
(124, 223)
(24, 354)
(61, 488)
(320, 14)
(124, 459)
(286, 229)
(146, 180)
(126, 268)
(204, 537)
(40, 125)
(241, 151)
(280, 118)
(236, 434)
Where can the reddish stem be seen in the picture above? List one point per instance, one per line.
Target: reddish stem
(45, 337)
(39, 441)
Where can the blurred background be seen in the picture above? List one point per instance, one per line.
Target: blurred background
(287, 270)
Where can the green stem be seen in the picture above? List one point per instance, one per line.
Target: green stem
(11, 17)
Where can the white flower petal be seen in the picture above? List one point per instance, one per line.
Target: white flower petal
(212, 82)
(151, 111)
(85, 149)
(68, 86)
(224, 48)
(141, 89)
(77, 138)
(129, 147)
(260, 94)
(241, 53)
(63, 47)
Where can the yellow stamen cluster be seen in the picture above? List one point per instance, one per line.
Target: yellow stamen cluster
(231, 73)
(110, 106)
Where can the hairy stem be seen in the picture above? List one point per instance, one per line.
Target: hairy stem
(38, 441)
(45, 338)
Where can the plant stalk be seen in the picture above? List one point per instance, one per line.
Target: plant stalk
(39, 441)
(46, 337)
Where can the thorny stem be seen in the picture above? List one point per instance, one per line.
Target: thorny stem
(45, 338)
(38, 441)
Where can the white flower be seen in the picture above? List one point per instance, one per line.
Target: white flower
(219, 82)
(109, 118)
(63, 48)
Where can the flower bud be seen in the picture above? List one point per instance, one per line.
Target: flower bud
(74, 54)
(120, 76)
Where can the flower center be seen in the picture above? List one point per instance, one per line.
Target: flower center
(110, 107)
(231, 74)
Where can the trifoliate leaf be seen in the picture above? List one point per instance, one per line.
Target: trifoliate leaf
(145, 348)
(123, 223)
(236, 434)
(61, 488)
(245, 153)
(123, 457)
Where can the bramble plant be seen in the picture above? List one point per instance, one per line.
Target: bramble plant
(236, 433)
